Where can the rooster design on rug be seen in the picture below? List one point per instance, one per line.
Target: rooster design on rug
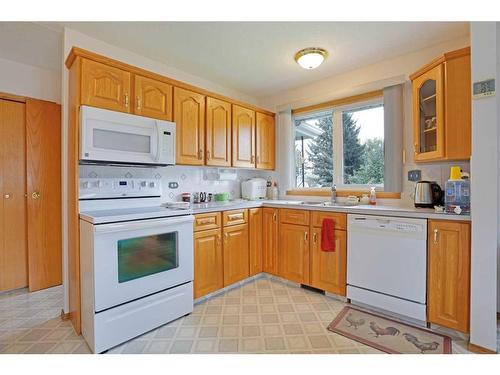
(423, 346)
(354, 322)
(379, 331)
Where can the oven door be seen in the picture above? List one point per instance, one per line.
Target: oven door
(138, 258)
(114, 137)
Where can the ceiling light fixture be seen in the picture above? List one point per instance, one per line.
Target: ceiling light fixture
(310, 58)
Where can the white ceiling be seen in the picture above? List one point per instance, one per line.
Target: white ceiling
(251, 57)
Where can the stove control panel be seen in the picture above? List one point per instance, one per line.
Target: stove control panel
(107, 188)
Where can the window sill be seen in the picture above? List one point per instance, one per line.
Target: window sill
(326, 192)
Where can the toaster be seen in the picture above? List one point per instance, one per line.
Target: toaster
(254, 189)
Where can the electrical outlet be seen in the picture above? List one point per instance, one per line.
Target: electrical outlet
(173, 185)
(415, 175)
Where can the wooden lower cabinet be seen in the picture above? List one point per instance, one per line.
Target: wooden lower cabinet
(293, 253)
(270, 233)
(208, 265)
(328, 269)
(448, 288)
(235, 253)
(255, 240)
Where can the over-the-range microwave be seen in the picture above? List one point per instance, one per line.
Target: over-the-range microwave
(109, 137)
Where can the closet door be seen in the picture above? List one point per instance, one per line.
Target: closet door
(43, 143)
(13, 253)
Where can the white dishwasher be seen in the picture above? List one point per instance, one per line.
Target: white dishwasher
(387, 263)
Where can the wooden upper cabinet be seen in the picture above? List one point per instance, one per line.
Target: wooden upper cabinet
(294, 253)
(189, 117)
(329, 269)
(243, 137)
(265, 141)
(448, 286)
(235, 253)
(270, 234)
(255, 240)
(218, 136)
(152, 98)
(105, 86)
(208, 266)
(442, 108)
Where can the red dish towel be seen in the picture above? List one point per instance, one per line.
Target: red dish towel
(328, 235)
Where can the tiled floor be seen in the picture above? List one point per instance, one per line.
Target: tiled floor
(263, 316)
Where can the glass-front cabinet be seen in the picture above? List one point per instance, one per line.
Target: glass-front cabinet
(428, 115)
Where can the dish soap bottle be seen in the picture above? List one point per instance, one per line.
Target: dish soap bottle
(373, 196)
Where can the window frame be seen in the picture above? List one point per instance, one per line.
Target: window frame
(338, 144)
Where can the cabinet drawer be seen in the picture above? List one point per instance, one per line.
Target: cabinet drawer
(340, 219)
(234, 217)
(289, 216)
(210, 220)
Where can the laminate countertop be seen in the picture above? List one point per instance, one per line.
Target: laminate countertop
(379, 209)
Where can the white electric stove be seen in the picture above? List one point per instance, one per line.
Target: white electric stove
(136, 260)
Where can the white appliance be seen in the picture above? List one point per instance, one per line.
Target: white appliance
(120, 138)
(254, 189)
(136, 260)
(387, 263)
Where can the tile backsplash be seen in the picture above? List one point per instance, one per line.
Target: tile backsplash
(189, 179)
(438, 172)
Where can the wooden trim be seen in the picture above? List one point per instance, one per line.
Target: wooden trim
(479, 349)
(12, 97)
(76, 51)
(439, 60)
(326, 192)
(498, 315)
(65, 316)
(339, 102)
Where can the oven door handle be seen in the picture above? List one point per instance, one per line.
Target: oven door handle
(145, 224)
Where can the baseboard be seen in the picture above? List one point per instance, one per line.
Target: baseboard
(479, 349)
(65, 316)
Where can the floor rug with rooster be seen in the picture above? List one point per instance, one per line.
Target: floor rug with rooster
(388, 335)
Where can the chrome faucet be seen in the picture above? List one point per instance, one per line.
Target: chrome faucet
(334, 193)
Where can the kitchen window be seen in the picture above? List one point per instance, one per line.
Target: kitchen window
(341, 145)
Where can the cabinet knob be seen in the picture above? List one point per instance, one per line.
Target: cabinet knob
(36, 195)
(6, 196)
(315, 237)
(126, 100)
(274, 217)
(306, 236)
(436, 232)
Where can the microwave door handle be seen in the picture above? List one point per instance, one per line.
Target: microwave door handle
(158, 142)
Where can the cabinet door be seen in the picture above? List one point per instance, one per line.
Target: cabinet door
(243, 137)
(13, 250)
(328, 269)
(218, 138)
(189, 117)
(105, 87)
(270, 240)
(153, 98)
(255, 238)
(449, 274)
(428, 115)
(208, 266)
(265, 141)
(235, 256)
(294, 253)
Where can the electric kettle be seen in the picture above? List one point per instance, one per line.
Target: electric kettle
(428, 194)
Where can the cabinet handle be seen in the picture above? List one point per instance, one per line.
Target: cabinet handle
(6, 196)
(126, 100)
(35, 195)
(306, 236)
(208, 154)
(138, 102)
(235, 216)
(435, 236)
(200, 154)
(210, 220)
(315, 237)
(274, 217)
(415, 148)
